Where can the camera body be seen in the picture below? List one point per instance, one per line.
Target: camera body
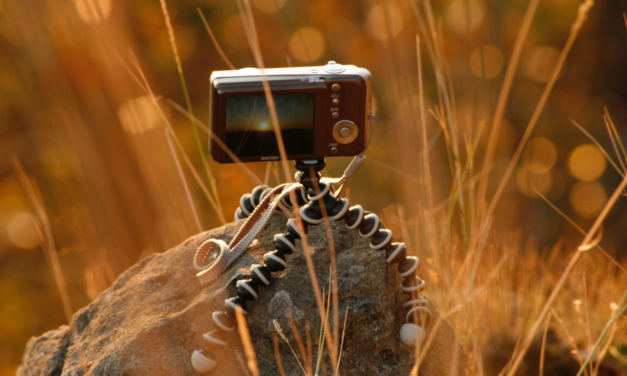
(322, 112)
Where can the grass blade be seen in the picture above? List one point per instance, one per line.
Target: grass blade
(337, 369)
(277, 354)
(279, 330)
(215, 138)
(188, 194)
(214, 40)
(619, 312)
(179, 67)
(146, 87)
(251, 357)
(607, 255)
(512, 67)
(574, 31)
(562, 281)
(609, 132)
(609, 159)
(251, 33)
(620, 143)
(45, 237)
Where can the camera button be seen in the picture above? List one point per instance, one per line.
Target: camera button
(335, 101)
(335, 87)
(345, 131)
(335, 115)
(333, 150)
(333, 67)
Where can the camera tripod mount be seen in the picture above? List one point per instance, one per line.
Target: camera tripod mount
(309, 171)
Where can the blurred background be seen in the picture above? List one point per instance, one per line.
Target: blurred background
(94, 144)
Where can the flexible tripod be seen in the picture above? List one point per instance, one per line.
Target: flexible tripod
(317, 201)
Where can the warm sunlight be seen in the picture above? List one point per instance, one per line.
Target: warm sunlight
(445, 193)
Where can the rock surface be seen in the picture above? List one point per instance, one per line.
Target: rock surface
(153, 317)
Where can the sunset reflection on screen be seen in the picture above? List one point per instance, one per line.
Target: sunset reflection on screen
(249, 130)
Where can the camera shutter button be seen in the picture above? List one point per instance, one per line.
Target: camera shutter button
(333, 67)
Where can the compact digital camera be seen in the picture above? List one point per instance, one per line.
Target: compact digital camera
(322, 111)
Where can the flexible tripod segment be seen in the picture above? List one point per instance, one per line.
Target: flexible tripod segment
(318, 201)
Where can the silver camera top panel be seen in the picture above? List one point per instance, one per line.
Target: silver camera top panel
(332, 68)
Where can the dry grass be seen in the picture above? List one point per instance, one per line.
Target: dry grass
(450, 199)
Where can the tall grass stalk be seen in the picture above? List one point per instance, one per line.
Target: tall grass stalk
(279, 330)
(433, 48)
(611, 130)
(215, 138)
(617, 314)
(333, 284)
(616, 136)
(574, 31)
(481, 290)
(301, 345)
(251, 357)
(143, 83)
(188, 194)
(586, 244)
(201, 149)
(608, 343)
(44, 233)
(543, 346)
(426, 166)
(251, 33)
(603, 251)
(447, 301)
(214, 40)
(248, 22)
(512, 67)
(277, 354)
(309, 348)
(323, 333)
(607, 156)
(339, 359)
(307, 250)
(569, 336)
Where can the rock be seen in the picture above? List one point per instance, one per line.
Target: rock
(153, 317)
(45, 355)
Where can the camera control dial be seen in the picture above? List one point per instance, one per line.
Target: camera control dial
(345, 131)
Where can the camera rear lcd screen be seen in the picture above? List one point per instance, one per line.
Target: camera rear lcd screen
(249, 131)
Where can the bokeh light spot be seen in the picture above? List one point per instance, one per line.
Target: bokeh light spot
(588, 198)
(541, 63)
(268, 6)
(527, 181)
(486, 62)
(21, 232)
(307, 44)
(587, 162)
(139, 115)
(93, 10)
(465, 15)
(385, 21)
(234, 31)
(540, 155)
